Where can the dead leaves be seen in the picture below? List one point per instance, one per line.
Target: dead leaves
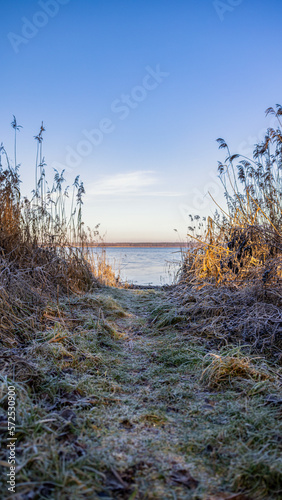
(119, 483)
(183, 477)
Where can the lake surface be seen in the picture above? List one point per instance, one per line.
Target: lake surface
(145, 266)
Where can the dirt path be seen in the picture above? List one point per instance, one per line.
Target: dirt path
(146, 430)
(118, 400)
(169, 435)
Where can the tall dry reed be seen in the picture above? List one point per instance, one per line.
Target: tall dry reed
(235, 270)
(42, 244)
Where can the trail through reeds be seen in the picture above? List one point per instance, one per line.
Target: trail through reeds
(114, 403)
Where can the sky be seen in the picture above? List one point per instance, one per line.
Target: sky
(133, 95)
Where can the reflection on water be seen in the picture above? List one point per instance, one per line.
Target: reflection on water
(145, 266)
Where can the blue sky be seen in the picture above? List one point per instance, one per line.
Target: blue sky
(133, 95)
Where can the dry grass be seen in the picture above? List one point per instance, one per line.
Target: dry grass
(43, 248)
(103, 271)
(230, 285)
(126, 412)
(223, 368)
(122, 393)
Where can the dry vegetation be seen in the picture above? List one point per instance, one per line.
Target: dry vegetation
(111, 404)
(143, 394)
(230, 286)
(43, 247)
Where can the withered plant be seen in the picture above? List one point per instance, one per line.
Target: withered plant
(236, 268)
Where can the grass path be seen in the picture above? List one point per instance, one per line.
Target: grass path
(146, 430)
(128, 406)
(168, 435)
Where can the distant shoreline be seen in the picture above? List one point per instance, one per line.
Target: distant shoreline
(141, 245)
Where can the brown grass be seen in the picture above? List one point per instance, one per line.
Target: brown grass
(43, 248)
(230, 285)
(222, 369)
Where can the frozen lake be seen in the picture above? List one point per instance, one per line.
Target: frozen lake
(145, 266)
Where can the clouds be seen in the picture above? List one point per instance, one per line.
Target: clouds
(128, 184)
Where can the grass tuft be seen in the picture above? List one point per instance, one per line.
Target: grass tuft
(223, 368)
